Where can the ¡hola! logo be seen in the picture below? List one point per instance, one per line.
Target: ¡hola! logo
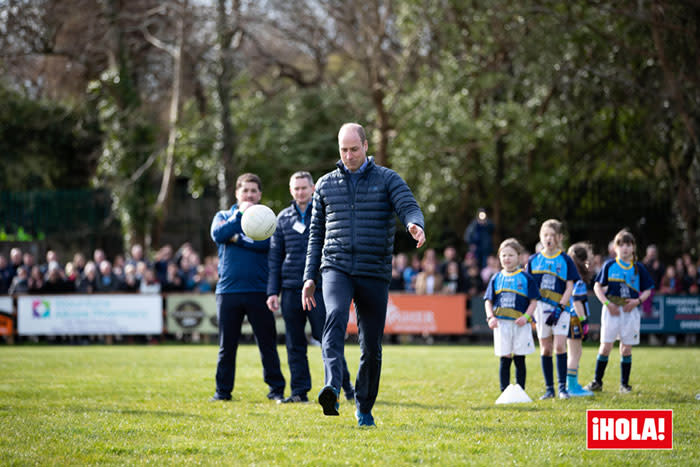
(629, 429)
(40, 309)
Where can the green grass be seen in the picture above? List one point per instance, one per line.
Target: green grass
(148, 404)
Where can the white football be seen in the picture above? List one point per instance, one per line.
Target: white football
(258, 222)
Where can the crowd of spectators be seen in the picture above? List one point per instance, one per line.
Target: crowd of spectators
(184, 271)
(168, 271)
(428, 274)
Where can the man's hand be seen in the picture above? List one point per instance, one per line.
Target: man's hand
(273, 303)
(417, 233)
(307, 295)
(244, 205)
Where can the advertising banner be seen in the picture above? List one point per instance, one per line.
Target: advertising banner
(54, 315)
(6, 321)
(191, 313)
(673, 314)
(422, 314)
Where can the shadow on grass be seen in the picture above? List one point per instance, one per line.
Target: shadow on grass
(416, 405)
(510, 407)
(139, 412)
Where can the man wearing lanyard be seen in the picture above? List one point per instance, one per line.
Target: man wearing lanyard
(286, 264)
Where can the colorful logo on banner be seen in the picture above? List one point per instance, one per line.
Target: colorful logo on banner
(629, 429)
(41, 309)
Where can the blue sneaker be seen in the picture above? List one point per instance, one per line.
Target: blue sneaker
(328, 399)
(549, 394)
(364, 419)
(575, 390)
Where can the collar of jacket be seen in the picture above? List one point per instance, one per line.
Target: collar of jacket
(296, 207)
(370, 164)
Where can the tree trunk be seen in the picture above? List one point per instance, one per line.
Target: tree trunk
(380, 155)
(687, 199)
(167, 182)
(228, 170)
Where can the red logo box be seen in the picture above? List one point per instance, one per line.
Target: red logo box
(629, 429)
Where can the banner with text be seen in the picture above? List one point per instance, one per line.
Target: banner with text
(673, 314)
(421, 314)
(191, 313)
(52, 315)
(6, 321)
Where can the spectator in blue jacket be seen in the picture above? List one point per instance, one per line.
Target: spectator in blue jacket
(351, 241)
(242, 291)
(286, 261)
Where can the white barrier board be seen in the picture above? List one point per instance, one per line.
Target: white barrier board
(53, 315)
(6, 305)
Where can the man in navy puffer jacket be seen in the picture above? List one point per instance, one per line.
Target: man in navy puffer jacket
(350, 243)
(241, 291)
(286, 261)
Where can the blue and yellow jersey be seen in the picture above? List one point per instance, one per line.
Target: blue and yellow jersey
(580, 294)
(551, 274)
(624, 280)
(510, 293)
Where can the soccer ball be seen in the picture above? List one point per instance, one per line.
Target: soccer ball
(258, 222)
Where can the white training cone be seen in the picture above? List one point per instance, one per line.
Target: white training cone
(513, 394)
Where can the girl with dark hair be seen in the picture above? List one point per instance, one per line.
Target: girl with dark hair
(581, 254)
(621, 286)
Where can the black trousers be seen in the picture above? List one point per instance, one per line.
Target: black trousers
(370, 296)
(231, 309)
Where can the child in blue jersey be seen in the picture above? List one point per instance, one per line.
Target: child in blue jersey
(581, 254)
(555, 275)
(511, 298)
(621, 285)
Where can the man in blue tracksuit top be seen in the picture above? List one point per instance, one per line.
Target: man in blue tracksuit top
(286, 261)
(351, 241)
(241, 291)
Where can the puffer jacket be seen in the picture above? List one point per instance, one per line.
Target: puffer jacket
(352, 227)
(288, 251)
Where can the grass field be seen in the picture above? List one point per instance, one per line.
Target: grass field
(148, 405)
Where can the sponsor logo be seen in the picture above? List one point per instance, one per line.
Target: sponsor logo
(41, 309)
(629, 429)
(188, 314)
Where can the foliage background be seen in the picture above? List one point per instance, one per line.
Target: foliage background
(583, 110)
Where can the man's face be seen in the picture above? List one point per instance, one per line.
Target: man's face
(353, 152)
(15, 256)
(249, 192)
(301, 190)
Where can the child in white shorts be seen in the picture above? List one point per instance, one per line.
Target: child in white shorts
(555, 274)
(621, 286)
(510, 300)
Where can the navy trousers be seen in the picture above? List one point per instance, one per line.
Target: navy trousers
(370, 296)
(230, 311)
(295, 323)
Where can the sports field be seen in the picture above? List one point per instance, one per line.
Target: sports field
(148, 405)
